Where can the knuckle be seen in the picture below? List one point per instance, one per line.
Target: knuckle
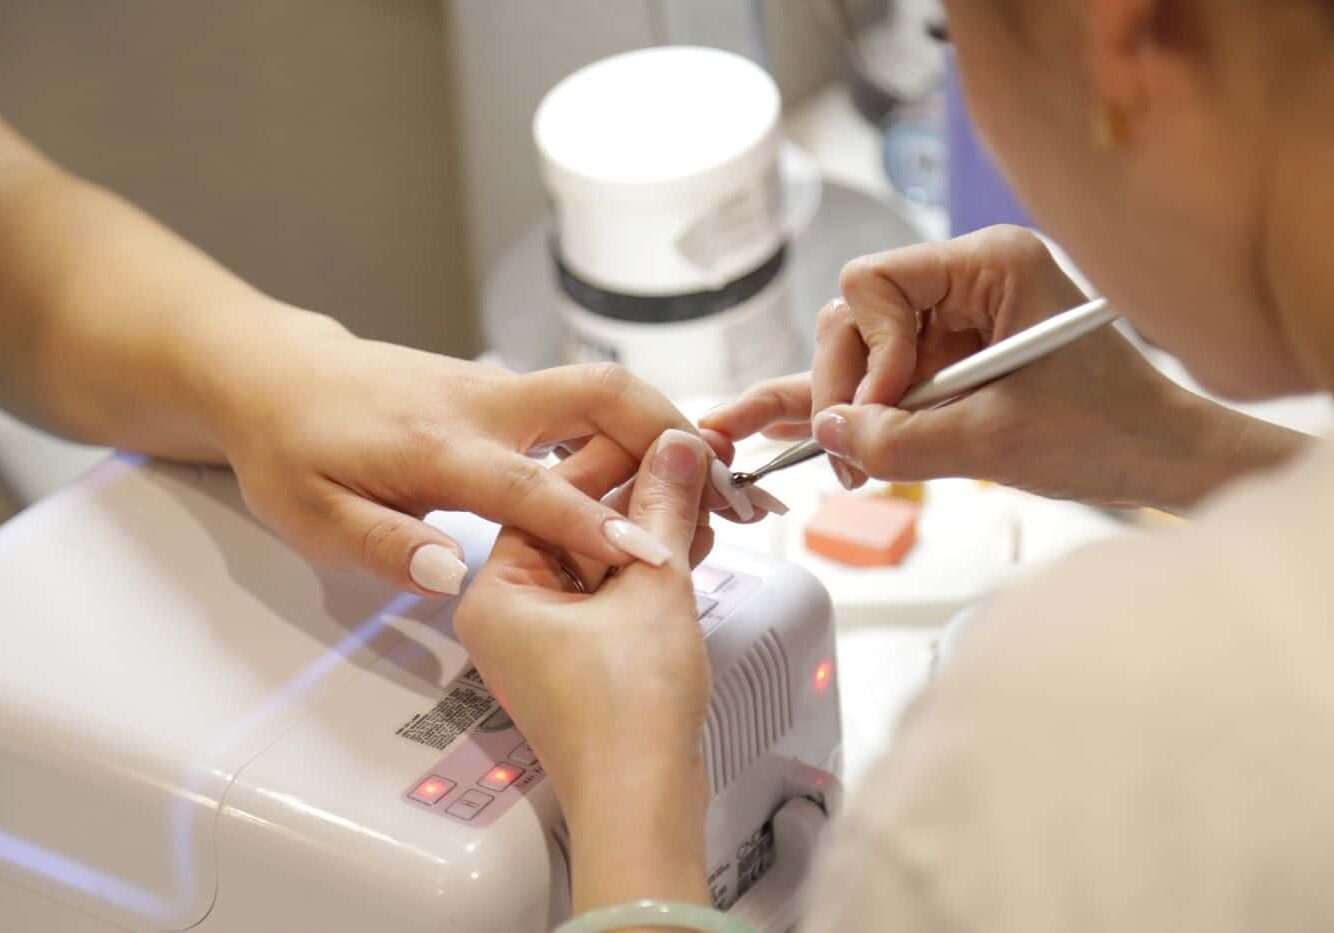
(417, 442)
(299, 517)
(611, 379)
(520, 479)
(767, 395)
(1020, 244)
(385, 543)
(660, 499)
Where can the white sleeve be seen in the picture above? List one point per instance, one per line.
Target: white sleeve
(1142, 740)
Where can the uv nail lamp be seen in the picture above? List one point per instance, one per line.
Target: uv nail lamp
(200, 730)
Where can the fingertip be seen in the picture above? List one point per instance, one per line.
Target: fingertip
(719, 443)
(726, 423)
(833, 430)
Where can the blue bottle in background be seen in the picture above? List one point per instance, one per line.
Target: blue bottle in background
(978, 195)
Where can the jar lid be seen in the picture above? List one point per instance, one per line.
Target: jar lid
(674, 117)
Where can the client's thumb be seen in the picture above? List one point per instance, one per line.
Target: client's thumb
(667, 492)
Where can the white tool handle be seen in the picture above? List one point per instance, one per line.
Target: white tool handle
(1012, 353)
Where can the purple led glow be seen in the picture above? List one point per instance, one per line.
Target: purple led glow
(82, 878)
(78, 876)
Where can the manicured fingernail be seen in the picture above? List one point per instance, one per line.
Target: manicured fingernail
(619, 498)
(832, 432)
(763, 499)
(842, 472)
(678, 457)
(436, 568)
(635, 541)
(540, 452)
(721, 478)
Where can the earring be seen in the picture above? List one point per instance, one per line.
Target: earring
(1111, 129)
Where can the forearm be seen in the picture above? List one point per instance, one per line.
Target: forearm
(116, 331)
(638, 833)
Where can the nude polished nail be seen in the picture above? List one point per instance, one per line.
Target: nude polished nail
(763, 499)
(833, 433)
(677, 458)
(436, 568)
(635, 541)
(721, 478)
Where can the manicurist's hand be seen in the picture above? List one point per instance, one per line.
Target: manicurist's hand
(609, 687)
(1094, 422)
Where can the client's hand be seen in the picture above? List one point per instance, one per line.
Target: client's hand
(342, 445)
(1094, 422)
(611, 687)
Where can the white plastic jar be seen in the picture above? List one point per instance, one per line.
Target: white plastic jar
(670, 243)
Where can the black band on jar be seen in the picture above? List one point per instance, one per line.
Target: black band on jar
(666, 309)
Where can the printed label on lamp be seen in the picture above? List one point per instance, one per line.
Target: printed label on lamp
(487, 765)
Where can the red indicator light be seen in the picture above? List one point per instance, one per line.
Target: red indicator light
(501, 777)
(824, 672)
(432, 790)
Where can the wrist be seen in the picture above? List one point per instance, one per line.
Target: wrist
(1213, 446)
(238, 369)
(637, 831)
(653, 782)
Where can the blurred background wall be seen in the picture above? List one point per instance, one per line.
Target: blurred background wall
(304, 143)
(367, 158)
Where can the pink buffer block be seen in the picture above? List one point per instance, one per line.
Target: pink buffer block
(863, 531)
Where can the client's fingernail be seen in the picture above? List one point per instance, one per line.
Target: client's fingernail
(842, 472)
(677, 458)
(721, 478)
(436, 568)
(766, 500)
(635, 541)
(832, 432)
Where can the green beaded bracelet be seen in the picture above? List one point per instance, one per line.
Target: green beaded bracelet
(649, 913)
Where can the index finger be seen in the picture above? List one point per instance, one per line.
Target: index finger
(603, 398)
(970, 283)
(885, 292)
(785, 400)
